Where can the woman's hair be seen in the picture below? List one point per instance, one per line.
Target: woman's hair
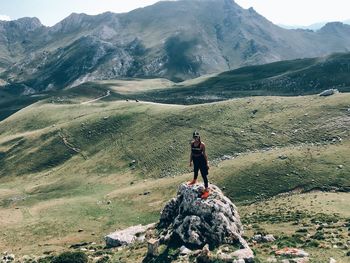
(196, 135)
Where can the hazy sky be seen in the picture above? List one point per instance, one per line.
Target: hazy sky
(288, 12)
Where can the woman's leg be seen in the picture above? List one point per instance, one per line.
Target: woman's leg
(205, 179)
(204, 173)
(195, 173)
(195, 169)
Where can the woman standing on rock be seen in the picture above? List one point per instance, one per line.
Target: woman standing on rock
(200, 162)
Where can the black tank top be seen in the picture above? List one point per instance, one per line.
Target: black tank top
(197, 151)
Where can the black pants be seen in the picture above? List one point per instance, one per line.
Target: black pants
(199, 163)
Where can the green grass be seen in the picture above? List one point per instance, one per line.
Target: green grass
(284, 78)
(115, 132)
(279, 216)
(262, 175)
(46, 187)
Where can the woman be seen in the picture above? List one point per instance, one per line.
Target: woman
(200, 162)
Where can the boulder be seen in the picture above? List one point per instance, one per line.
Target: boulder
(329, 92)
(292, 252)
(196, 222)
(245, 254)
(269, 238)
(127, 236)
(257, 238)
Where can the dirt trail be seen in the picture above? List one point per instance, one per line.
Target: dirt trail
(99, 98)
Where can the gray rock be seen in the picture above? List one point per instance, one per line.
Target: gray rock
(184, 250)
(226, 157)
(257, 238)
(127, 236)
(292, 252)
(329, 92)
(246, 254)
(269, 238)
(332, 260)
(195, 221)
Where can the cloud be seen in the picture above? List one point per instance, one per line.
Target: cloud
(5, 18)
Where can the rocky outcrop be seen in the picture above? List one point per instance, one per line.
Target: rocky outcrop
(196, 222)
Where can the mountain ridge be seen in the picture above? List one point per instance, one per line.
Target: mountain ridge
(177, 40)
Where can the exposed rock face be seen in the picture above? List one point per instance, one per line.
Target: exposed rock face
(160, 40)
(198, 222)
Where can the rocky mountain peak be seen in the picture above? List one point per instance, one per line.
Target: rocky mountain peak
(73, 22)
(25, 24)
(334, 27)
(168, 45)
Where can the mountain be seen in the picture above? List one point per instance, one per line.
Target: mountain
(315, 26)
(283, 78)
(174, 39)
(15, 37)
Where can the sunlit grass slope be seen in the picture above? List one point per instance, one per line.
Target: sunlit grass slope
(108, 164)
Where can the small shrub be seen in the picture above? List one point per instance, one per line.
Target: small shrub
(318, 236)
(301, 230)
(312, 243)
(71, 257)
(289, 241)
(45, 259)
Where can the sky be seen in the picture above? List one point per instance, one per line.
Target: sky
(285, 12)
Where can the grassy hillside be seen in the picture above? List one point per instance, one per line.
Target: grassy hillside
(122, 128)
(285, 78)
(68, 164)
(11, 103)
